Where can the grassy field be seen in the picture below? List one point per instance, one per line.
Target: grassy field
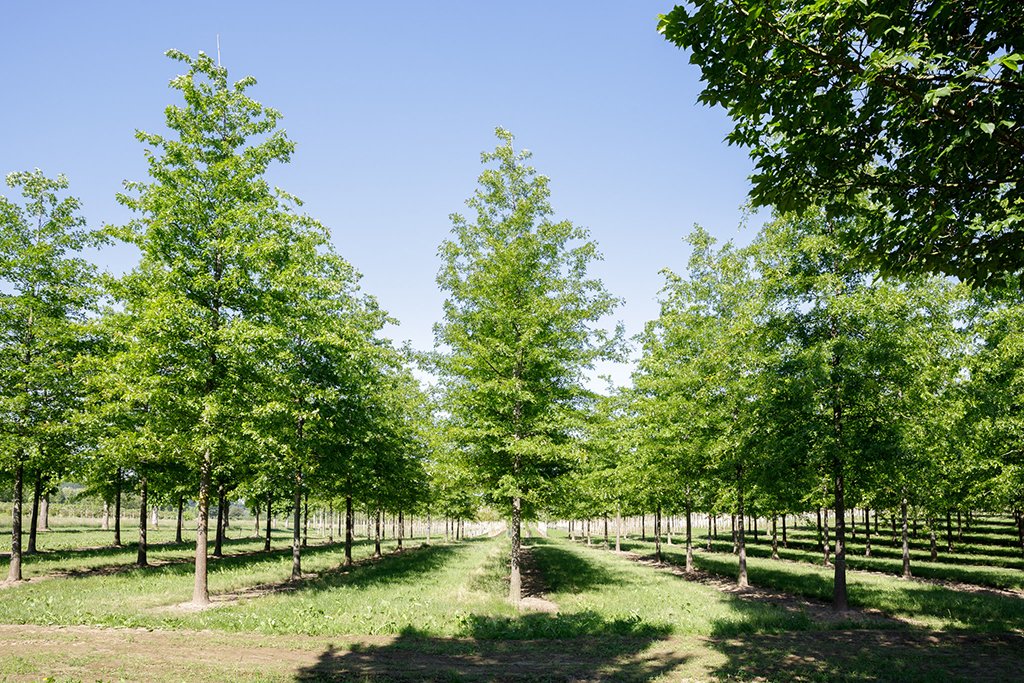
(439, 613)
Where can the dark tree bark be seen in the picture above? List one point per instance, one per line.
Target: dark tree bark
(657, 533)
(44, 512)
(949, 531)
(14, 570)
(775, 538)
(33, 524)
(515, 588)
(376, 537)
(689, 533)
(117, 509)
(105, 522)
(297, 527)
(906, 540)
(201, 588)
(143, 495)
(785, 542)
(270, 520)
(401, 528)
(218, 543)
(867, 533)
(934, 555)
(181, 518)
(741, 540)
(330, 521)
(606, 531)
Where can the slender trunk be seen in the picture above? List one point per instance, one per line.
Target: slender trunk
(606, 531)
(401, 529)
(305, 519)
(14, 570)
(218, 543)
(181, 518)
(256, 523)
(906, 540)
(270, 520)
(755, 528)
(588, 532)
(689, 533)
(775, 539)
(931, 533)
(820, 544)
(618, 528)
(949, 531)
(785, 542)
(350, 530)
(33, 523)
(330, 521)
(643, 527)
(105, 523)
(376, 537)
(117, 509)
(867, 533)
(735, 535)
(668, 530)
(959, 528)
(710, 524)
(154, 517)
(1020, 531)
(657, 533)
(839, 597)
(515, 586)
(143, 494)
(201, 590)
(741, 581)
(297, 526)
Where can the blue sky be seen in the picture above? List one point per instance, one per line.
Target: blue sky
(390, 107)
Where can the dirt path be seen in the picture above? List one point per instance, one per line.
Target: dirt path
(34, 653)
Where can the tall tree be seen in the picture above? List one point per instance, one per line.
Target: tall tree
(519, 332)
(45, 293)
(917, 106)
(212, 233)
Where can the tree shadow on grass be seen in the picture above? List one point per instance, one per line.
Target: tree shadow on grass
(412, 656)
(902, 656)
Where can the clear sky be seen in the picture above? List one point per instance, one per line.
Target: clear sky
(390, 106)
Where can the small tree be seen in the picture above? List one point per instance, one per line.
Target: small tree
(518, 331)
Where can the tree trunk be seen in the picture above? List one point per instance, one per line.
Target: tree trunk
(618, 528)
(775, 539)
(218, 543)
(14, 570)
(270, 520)
(839, 598)
(330, 521)
(515, 585)
(588, 532)
(143, 494)
(154, 514)
(949, 531)
(606, 531)
(785, 542)
(33, 523)
(305, 519)
(401, 529)
(427, 542)
(643, 527)
(105, 523)
(297, 528)
(181, 518)
(741, 581)
(657, 533)
(201, 590)
(689, 533)
(735, 536)
(867, 533)
(350, 530)
(906, 540)
(931, 532)
(959, 528)
(117, 509)
(376, 537)
(710, 524)
(668, 530)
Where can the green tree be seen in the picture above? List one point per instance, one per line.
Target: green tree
(212, 233)
(908, 114)
(45, 294)
(519, 334)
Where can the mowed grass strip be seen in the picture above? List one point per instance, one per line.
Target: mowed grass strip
(929, 605)
(432, 589)
(599, 593)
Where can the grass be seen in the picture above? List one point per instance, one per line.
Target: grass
(439, 613)
(929, 605)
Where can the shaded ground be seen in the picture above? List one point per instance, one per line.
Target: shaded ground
(33, 653)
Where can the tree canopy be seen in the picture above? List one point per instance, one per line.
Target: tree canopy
(908, 114)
